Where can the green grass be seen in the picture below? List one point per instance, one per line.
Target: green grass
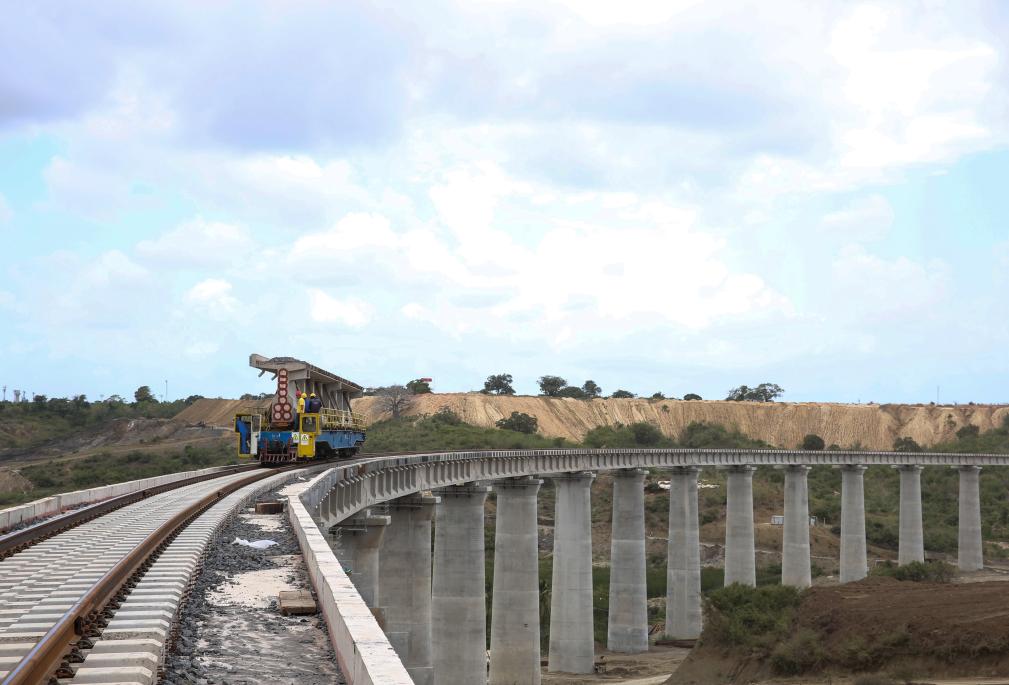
(52, 477)
(440, 432)
(29, 424)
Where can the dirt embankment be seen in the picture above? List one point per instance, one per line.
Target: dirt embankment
(878, 625)
(782, 424)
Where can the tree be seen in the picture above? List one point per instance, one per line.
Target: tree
(498, 384)
(192, 398)
(519, 422)
(591, 389)
(658, 396)
(765, 392)
(692, 396)
(813, 442)
(967, 432)
(551, 385)
(622, 394)
(143, 394)
(419, 386)
(906, 444)
(114, 399)
(394, 399)
(572, 392)
(645, 434)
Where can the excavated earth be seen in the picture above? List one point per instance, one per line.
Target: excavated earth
(906, 630)
(783, 424)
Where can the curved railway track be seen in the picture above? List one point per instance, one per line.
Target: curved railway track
(91, 596)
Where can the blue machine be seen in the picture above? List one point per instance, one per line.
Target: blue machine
(276, 432)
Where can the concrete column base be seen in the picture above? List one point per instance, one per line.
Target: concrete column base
(627, 629)
(572, 648)
(970, 549)
(911, 535)
(458, 604)
(515, 604)
(740, 554)
(854, 563)
(683, 570)
(404, 588)
(795, 562)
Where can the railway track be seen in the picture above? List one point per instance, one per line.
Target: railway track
(94, 602)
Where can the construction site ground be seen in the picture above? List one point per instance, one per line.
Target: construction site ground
(933, 633)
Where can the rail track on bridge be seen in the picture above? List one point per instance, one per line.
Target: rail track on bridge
(91, 596)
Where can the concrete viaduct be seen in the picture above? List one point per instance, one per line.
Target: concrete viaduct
(431, 605)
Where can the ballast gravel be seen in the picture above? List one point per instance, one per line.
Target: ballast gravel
(231, 631)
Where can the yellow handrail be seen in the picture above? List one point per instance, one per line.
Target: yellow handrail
(337, 419)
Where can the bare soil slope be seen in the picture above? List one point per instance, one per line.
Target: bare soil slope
(215, 412)
(881, 624)
(781, 424)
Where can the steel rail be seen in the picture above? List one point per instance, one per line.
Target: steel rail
(47, 655)
(18, 540)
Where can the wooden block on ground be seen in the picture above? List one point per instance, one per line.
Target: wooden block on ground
(296, 602)
(269, 507)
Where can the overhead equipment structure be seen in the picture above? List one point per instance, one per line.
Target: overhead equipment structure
(279, 434)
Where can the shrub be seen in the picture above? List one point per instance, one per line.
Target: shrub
(519, 422)
(446, 417)
(800, 653)
(747, 616)
(692, 396)
(813, 442)
(918, 572)
(906, 444)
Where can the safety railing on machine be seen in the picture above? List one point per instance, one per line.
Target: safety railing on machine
(341, 419)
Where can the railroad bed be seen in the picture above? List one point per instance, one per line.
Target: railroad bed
(39, 585)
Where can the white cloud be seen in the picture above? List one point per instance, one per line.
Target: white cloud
(868, 288)
(916, 95)
(213, 296)
(867, 218)
(198, 243)
(350, 312)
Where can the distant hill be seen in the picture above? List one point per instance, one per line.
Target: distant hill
(783, 424)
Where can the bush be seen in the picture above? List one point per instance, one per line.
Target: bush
(906, 444)
(918, 572)
(800, 653)
(747, 616)
(446, 417)
(813, 442)
(692, 396)
(519, 422)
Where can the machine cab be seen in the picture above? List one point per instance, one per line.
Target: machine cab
(308, 430)
(248, 427)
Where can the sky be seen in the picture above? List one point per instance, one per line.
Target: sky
(668, 197)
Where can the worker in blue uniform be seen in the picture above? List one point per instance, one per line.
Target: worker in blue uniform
(314, 404)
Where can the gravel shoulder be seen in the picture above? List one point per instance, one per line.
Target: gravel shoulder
(231, 631)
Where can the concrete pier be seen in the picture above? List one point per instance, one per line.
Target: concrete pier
(683, 568)
(458, 604)
(854, 564)
(970, 556)
(740, 555)
(404, 588)
(911, 537)
(571, 634)
(515, 604)
(362, 537)
(627, 630)
(795, 568)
